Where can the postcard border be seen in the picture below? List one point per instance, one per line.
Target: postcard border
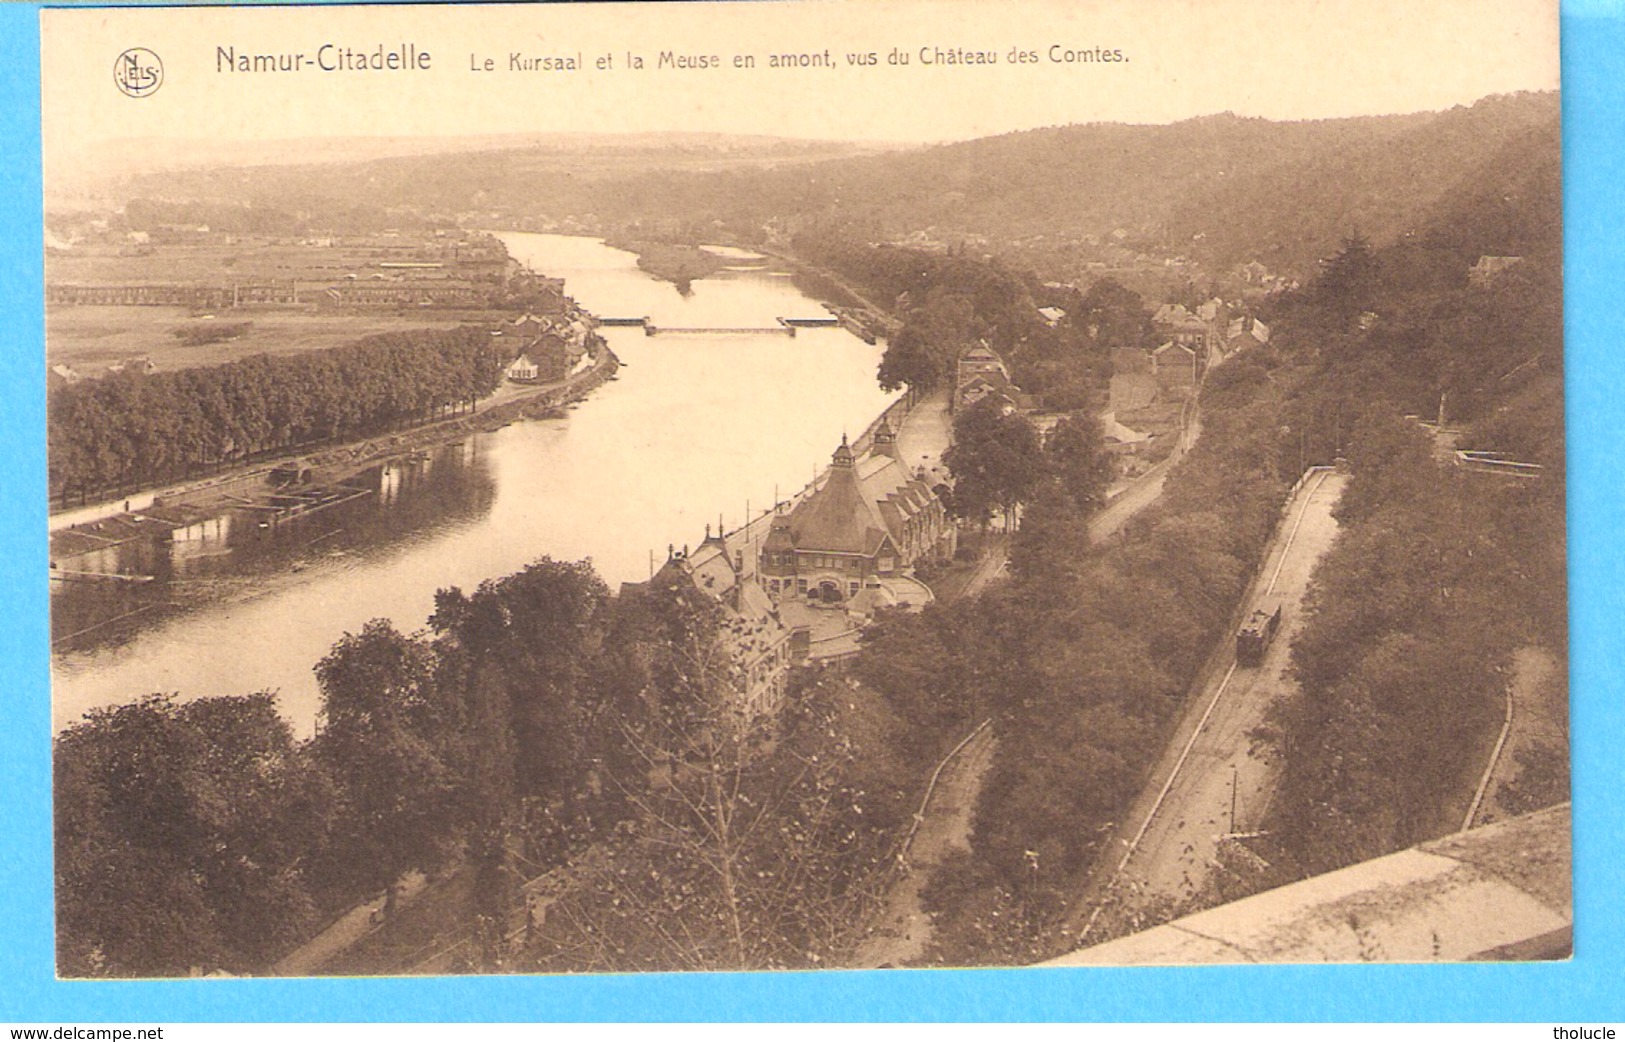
(1593, 71)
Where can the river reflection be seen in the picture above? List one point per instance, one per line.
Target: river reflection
(696, 426)
(234, 556)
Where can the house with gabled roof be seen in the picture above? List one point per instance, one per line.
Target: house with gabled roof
(749, 630)
(1175, 366)
(980, 372)
(528, 325)
(522, 369)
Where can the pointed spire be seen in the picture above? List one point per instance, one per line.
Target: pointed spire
(886, 440)
(843, 455)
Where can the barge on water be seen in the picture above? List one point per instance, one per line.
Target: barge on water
(292, 502)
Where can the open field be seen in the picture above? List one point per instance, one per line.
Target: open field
(223, 259)
(90, 338)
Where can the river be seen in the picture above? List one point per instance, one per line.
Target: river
(695, 426)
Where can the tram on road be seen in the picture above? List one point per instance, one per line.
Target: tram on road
(1255, 634)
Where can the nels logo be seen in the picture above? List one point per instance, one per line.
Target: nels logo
(138, 72)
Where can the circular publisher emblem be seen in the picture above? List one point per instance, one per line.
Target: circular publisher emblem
(138, 72)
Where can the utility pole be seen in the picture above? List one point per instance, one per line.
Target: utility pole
(1234, 772)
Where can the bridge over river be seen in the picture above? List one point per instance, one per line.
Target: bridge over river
(784, 326)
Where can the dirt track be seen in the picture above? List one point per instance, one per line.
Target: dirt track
(903, 929)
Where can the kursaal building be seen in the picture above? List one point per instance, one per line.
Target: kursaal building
(855, 541)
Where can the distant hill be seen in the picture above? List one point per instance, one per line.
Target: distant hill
(222, 170)
(1221, 190)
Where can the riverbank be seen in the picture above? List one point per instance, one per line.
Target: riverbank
(858, 314)
(342, 462)
(155, 512)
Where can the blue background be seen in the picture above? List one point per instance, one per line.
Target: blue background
(1586, 988)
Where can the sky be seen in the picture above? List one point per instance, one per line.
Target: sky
(1278, 59)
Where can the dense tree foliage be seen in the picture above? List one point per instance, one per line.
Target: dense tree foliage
(922, 355)
(1107, 640)
(130, 429)
(181, 837)
(1083, 659)
(1442, 574)
(750, 847)
(536, 721)
(996, 459)
(1076, 462)
(540, 719)
(1113, 315)
(1348, 282)
(950, 302)
(1412, 624)
(430, 748)
(384, 736)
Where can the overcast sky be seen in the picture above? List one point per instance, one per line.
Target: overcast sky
(1280, 59)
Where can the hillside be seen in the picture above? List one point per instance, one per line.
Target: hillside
(1221, 190)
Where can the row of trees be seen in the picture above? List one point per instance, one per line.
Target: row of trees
(130, 429)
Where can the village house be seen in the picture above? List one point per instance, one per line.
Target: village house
(522, 370)
(550, 348)
(1119, 438)
(981, 373)
(1176, 323)
(1176, 366)
(527, 326)
(1240, 334)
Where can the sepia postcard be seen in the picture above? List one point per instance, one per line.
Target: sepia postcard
(625, 488)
